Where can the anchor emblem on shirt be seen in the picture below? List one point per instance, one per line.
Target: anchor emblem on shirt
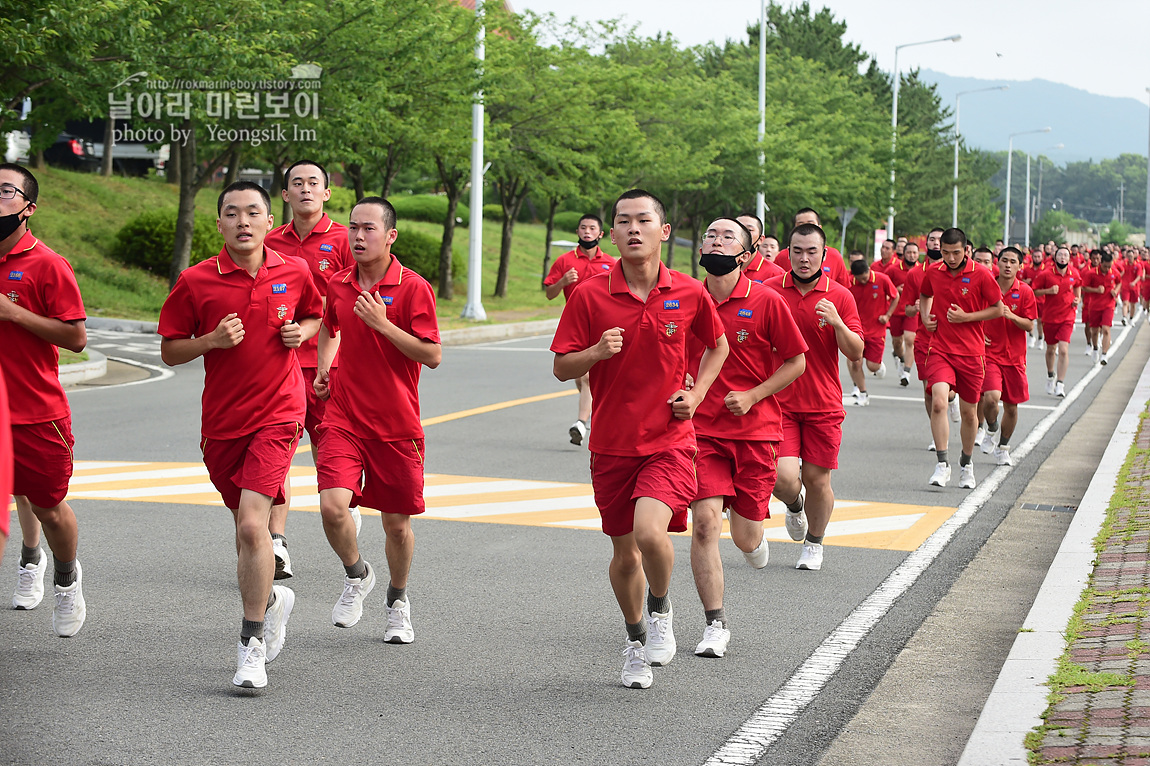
(12, 296)
(965, 290)
(281, 311)
(741, 335)
(324, 264)
(822, 322)
(671, 328)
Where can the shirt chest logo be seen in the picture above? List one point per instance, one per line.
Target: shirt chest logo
(822, 322)
(670, 305)
(281, 311)
(326, 248)
(965, 290)
(324, 264)
(671, 328)
(746, 313)
(15, 276)
(279, 288)
(12, 296)
(741, 336)
(388, 299)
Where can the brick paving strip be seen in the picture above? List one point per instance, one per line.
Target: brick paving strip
(1100, 700)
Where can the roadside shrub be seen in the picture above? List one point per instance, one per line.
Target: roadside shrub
(341, 200)
(420, 253)
(431, 208)
(147, 241)
(567, 221)
(493, 212)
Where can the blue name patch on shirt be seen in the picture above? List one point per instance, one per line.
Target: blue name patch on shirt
(966, 280)
(670, 304)
(325, 247)
(605, 267)
(1014, 295)
(15, 276)
(279, 288)
(388, 299)
(746, 313)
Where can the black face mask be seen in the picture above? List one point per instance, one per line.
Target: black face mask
(719, 264)
(806, 280)
(589, 244)
(934, 255)
(961, 265)
(1060, 264)
(10, 223)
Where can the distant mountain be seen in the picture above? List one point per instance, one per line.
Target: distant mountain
(1092, 127)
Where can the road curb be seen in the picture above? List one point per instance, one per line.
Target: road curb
(1019, 696)
(120, 325)
(78, 372)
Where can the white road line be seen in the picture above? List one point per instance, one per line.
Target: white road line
(770, 721)
(134, 492)
(483, 487)
(848, 399)
(163, 373)
(99, 465)
(516, 506)
(859, 526)
(161, 473)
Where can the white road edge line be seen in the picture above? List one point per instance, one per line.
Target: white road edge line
(164, 374)
(771, 720)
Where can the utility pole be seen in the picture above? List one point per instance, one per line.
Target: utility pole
(1122, 201)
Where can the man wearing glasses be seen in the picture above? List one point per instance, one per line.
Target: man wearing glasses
(40, 311)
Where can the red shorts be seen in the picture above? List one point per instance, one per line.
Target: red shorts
(1098, 316)
(315, 405)
(1144, 288)
(42, 461)
(873, 348)
(897, 325)
(964, 374)
(1008, 379)
(813, 436)
(1130, 294)
(1057, 332)
(920, 353)
(742, 472)
(1040, 306)
(386, 476)
(258, 461)
(618, 481)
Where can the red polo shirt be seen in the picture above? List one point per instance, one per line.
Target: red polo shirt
(585, 267)
(1094, 278)
(1058, 308)
(326, 251)
(631, 389)
(36, 278)
(818, 388)
(1129, 272)
(971, 289)
(1007, 340)
(832, 265)
(376, 395)
(257, 383)
(909, 297)
(760, 269)
(872, 298)
(762, 334)
(5, 455)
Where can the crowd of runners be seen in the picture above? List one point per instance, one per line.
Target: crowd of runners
(709, 397)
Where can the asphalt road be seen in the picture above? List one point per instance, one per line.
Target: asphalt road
(518, 646)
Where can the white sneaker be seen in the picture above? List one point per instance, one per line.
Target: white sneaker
(1030, 341)
(30, 583)
(1050, 386)
(966, 480)
(862, 399)
(811, 558)
(941, 475)
(1002, 455)
(904, 377)
(1059, 389)
(1042, 345)
(636, 669)
(987, 443)
(715, 640)
(1089, 351)
(1103, 360)
(660, 638)
(399, 630)
(357, 517)
(349, 608)
(577, 432)
(880, 373)
(283, 560)
(797, 522)
(931, 448)
(980, 434)
(758, 557)
(70, 611)
(251, 673)
(952, 408)
(275, 620)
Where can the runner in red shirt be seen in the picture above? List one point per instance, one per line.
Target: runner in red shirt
(322, 243)
(739, 424)
(1132, 277)
(5, 464)
(886, 258)
(40, 312)
(922, 338)
(876, 299)
(1005, 378)
(372, 446)
(813, 408)
(1062, 286)
(629, 330)
(761, 265)
(956, 296)
(1144, 286)
(902, 326)
(246, 311)
(585, 261)
(1030, 271)
(833, 264)
(1099, 291)
(1089, 299)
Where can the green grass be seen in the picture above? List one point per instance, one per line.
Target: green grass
(70, 357)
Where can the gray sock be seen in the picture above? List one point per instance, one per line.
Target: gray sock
(991, 426)
(251, 629)
(716, 614)
(65, 572)
(358, 570)
(817, 539)
(964, 460)
(29, 555)
(637, 632)
(281, 538)
(660, 604)
(271, 599)
(941, 455)
(1003, 440)
(796, 506)
(395, 594)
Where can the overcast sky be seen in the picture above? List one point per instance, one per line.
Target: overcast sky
(1099, 46)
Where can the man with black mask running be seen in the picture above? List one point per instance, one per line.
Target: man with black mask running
(1062, 287)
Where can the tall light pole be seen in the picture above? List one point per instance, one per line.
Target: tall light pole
(894, 121)
(473, 309)
(957, 96)
(1029, 213)
(1146, 225)
(1009, 157)
(760, 200)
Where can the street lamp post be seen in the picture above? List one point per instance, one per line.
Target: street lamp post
(1009, 158)
(957, 96)
(760, 200)
(473, 309)
(1146, 225)
(1029, 213)
(894, 121)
